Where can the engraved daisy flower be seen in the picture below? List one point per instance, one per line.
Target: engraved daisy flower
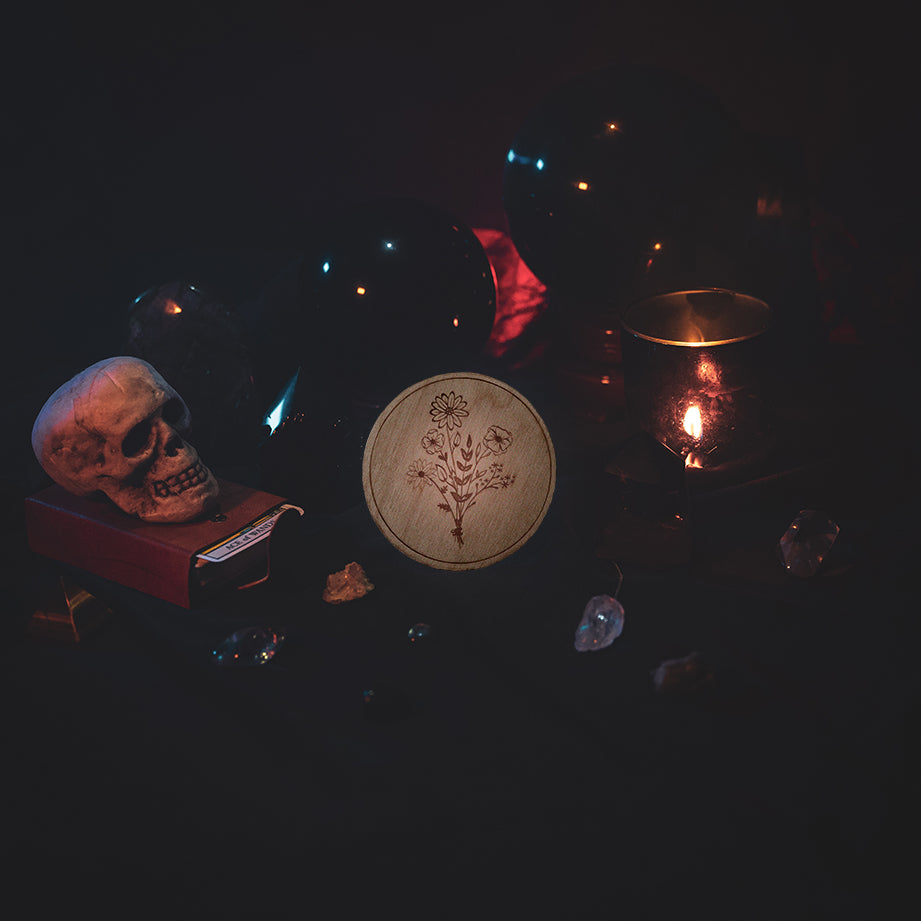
(498, 439)
(448, 410)
(433, 441)
(419, 473)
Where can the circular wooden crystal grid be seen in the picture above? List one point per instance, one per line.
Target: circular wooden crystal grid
(459, 471)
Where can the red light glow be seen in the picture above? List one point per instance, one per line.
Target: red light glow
(769, 207)
(520, 295)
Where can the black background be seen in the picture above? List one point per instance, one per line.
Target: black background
(141, 142)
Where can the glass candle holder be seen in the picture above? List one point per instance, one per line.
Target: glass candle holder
(694, 365)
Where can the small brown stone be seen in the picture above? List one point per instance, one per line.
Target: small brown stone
(347, 585)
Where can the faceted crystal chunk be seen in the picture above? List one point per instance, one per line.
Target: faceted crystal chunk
(806, 542)
(249, 646)
(601, 624)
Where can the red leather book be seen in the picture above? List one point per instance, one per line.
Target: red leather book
(180, 563)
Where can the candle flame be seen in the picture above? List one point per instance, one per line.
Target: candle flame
(769, 207)
(692, 422)
(172, 307)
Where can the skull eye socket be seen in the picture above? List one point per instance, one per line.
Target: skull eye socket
(136, 439)
(173, 410)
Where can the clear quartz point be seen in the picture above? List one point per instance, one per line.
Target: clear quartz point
(806, 542)
(419, 633)
(249, 646)
(601, 624)
(685, 674)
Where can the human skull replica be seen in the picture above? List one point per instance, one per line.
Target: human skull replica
(117, 428)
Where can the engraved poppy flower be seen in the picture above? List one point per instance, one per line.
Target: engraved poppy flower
(448, 410)
(433, 441)
(498, 439)
(419, 473)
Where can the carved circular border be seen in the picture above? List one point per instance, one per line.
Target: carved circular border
(380, 477)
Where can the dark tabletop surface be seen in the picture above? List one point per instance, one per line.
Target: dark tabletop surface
(517, 778)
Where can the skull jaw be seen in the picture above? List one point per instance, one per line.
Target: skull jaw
(176, 507)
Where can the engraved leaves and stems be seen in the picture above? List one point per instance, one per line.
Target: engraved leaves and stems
(459, 469)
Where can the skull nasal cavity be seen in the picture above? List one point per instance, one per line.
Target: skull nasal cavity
(173, 445)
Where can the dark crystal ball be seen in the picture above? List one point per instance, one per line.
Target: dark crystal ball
(313, 447)
(608, 166)
(196, 340)
(391, 291)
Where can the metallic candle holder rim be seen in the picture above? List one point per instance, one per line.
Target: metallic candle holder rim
(754, 312)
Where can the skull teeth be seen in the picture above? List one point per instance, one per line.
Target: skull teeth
(174, 485)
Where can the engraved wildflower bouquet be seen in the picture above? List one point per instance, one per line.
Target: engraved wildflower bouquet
(459, 470)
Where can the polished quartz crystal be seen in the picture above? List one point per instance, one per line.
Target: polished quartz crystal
(249, 646)
(601, 624)
(806, 542)
(688, 673)
(419, 633)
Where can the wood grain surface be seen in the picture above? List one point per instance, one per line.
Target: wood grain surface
(459, 471)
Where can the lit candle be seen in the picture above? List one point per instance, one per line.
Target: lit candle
(691, 373)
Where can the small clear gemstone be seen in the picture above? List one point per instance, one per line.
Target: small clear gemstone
(249, 646)
(419, 633)
(686, 674)
(806, 542)
(601, 624)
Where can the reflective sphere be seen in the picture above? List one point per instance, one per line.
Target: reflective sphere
(313, 449)
(197, 342)
(392, 291)
(607, 171)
